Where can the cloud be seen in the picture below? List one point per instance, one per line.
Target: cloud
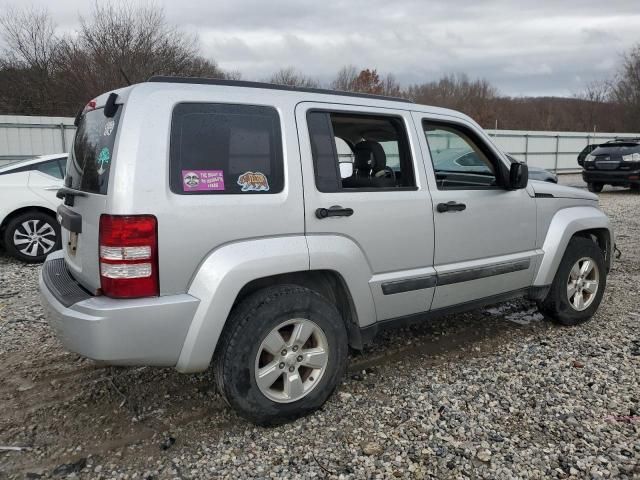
(544, 47)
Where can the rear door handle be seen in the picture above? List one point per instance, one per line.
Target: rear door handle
(335, 211)
(451, 207)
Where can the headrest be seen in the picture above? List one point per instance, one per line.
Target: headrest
(369, 155)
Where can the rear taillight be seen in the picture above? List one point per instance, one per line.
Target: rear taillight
(129, 256)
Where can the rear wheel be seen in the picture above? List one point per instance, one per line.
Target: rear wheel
(595, 187)
(32, 236)
(578, 287)
(635, 187)
(282, 354)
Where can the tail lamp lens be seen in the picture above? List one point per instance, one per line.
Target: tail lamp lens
(129, 256)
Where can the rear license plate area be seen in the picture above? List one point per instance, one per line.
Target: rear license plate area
(72, 244)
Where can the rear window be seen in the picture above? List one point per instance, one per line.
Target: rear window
(92, 154)
(225, 149)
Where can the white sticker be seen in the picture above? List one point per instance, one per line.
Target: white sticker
(108, 127)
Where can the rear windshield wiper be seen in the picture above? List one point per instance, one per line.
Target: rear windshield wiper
(68, 194)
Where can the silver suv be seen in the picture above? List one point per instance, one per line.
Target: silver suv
(265, 230)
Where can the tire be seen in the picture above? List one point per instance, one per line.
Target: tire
(635, 187)
(559, 305)
(595, 187)
(243, 352)
(21, 245)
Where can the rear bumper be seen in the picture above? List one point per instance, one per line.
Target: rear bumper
(612, 177)
(144, 331)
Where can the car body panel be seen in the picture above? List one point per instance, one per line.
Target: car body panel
(22, 187)
(406, 211)
(468, 238)
(142, 331)
(219, 280)
(212, 246)
(564, 224)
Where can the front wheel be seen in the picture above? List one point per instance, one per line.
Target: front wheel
(32, 236)
(595, 187)
(282, 354)
(578, 287)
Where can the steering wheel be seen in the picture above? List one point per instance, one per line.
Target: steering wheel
(389, 173)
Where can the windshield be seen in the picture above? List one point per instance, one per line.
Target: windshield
(92, 154)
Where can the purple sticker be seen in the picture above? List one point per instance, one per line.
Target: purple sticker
(199, 180)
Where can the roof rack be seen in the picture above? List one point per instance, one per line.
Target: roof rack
(269, 86)
(624, 139)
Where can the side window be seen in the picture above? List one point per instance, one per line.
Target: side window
(458, 160)
(51, 168)
(224, 148)
(359, 151)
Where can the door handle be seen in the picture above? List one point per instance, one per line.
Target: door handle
(451, 207)
(335, 211)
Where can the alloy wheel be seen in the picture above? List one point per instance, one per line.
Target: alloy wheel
(582, 285)
(291, 360)
(34, 238)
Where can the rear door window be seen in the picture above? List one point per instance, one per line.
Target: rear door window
(225, 149)
(92, 155)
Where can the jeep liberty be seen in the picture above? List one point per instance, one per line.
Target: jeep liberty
(265, 230)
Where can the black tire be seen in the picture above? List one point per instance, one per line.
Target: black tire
(635, 187)
(249, 324)
(17, 230)
(557, 305)
(595, 187)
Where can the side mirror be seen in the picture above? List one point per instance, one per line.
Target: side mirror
(518, 176)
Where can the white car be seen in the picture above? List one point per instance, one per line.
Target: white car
(29, 230)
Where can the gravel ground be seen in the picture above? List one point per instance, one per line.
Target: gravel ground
(495, 393)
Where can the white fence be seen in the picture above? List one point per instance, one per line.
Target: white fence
(24, 137)
(556, 151)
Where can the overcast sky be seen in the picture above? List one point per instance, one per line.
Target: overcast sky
(538, 47)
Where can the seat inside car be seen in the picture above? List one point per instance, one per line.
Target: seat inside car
(369, 167)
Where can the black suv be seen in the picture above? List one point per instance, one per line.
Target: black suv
(614, 163)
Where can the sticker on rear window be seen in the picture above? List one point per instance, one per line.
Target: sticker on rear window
(103, 160)
(202, 180)
(108, 127)
(253, 182)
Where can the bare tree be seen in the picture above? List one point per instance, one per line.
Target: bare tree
(28, 63)
(130, 44)
(597, 91)
(42, 73)
(345, 79)
(626, 87)
(294, 78)
(474, 97)
(368, 80)
(390, 86)
(30, 37)
(596, 99)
